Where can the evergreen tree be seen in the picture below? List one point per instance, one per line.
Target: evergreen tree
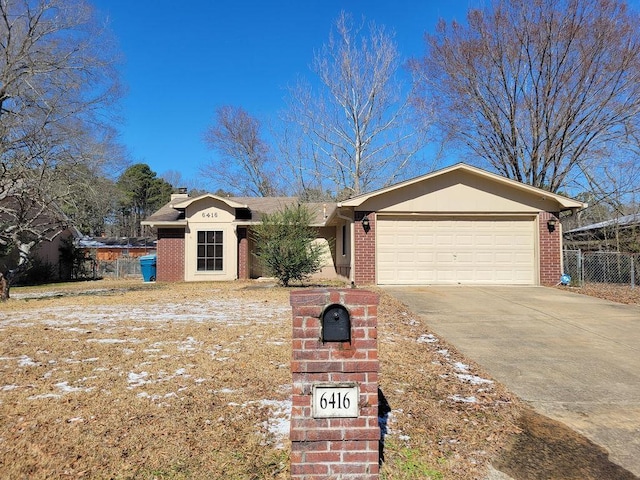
(286, 245)
(141, 193)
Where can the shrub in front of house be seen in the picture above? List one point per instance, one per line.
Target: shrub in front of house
(285, 245)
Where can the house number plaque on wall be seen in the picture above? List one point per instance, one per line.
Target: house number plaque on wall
(337, 400)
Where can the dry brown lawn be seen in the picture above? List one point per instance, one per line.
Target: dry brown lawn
(609, 291)
(124, 380)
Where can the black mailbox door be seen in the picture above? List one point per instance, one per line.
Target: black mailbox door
(336, 324)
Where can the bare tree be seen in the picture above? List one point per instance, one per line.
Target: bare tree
(358, 127)
(243, 164)
(545, 91)
(174, 177)
(195, 186)
(57, 81)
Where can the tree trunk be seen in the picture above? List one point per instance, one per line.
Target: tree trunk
(4, 288)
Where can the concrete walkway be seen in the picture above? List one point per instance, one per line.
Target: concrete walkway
(573, 358)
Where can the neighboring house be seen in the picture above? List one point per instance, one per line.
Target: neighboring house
(620, 234)
(458, 225)
(54, 236)
(47, 252)
(112, 248)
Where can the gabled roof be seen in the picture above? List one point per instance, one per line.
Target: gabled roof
(166, 214)
(564, 202)
(230, 201)
(172, 214)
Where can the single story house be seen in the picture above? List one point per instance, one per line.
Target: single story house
(617, 234)
(458, 225)
(47, 252)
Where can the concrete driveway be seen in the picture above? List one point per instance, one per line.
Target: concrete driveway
(573, 358)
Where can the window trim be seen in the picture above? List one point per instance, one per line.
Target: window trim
(216, 246)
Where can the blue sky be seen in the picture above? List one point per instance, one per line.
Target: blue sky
(182, 62)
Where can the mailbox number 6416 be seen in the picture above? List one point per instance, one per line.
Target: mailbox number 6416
(335, 400)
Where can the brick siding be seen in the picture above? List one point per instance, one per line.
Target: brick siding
(243, 254)
(550, 250)
(170, 266)
(365, 250)
(332, 448)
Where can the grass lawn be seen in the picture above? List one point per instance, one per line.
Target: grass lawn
(121, 379)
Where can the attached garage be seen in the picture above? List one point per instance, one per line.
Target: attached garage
(415, 250)
(459, 225)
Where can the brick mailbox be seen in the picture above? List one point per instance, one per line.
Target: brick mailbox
(334, 419)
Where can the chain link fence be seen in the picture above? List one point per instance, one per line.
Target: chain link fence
(123, 267)
(611, 268)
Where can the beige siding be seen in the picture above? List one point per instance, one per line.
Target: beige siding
(456, 250)
(211, 215)
(460, 193)
(344, 242)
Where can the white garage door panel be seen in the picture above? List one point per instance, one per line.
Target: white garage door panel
(451, 251)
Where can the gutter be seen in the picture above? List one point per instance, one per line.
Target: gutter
(175, 223)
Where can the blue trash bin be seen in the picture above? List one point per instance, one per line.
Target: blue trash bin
(148, 267)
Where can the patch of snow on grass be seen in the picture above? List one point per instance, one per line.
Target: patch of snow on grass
(107, 340)
(137, 379)
(461, 399)
(461, 367)
(189, 345)
(64, 387)
(279, 423)
(157, 398)
(35, 295)
(473, 379)
(427, 338)
(223, 311)
(44, 395)
(25, 361)
(224, 390)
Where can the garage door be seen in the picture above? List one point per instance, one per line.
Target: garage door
(456, 250)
